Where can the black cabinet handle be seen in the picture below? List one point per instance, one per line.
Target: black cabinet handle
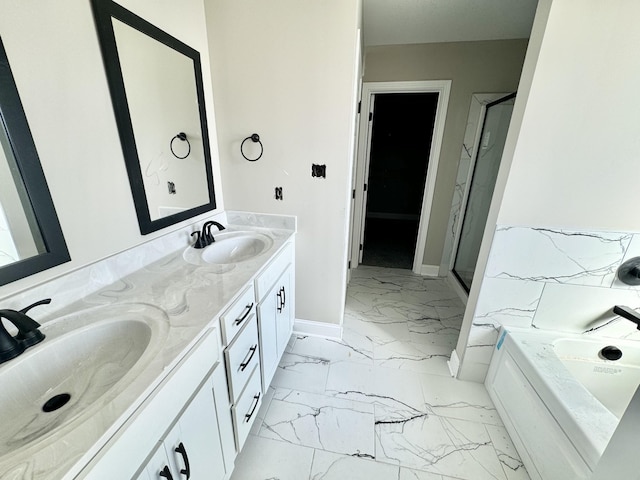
(280, 301)
(248, 416)
(244, 317)
(183, 451)
(252, 352)
(166, 473)
(284, 297)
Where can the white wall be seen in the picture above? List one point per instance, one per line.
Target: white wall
(566, 208)
(56, 61)
(285, 69)
(576, 160)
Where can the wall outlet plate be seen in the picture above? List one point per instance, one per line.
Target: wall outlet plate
(278, 193)
(319, 171)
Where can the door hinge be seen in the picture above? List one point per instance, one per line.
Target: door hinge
(360, 247)
(370, 116)
(365, 187)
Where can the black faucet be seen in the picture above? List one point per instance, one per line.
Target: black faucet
(206, 231)
(628, 313)
(28, 333)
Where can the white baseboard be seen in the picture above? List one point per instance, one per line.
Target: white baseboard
(454, 364)
(430, 270)
(456, 287)
(317, 329)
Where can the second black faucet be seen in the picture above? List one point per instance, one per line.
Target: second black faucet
(205, 238)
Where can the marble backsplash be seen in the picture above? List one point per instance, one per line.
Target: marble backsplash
(551, 279)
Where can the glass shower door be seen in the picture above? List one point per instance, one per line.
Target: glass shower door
(483, 182)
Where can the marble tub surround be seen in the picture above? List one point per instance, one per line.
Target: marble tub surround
(367, 408)
(550, 279)
(154, 274)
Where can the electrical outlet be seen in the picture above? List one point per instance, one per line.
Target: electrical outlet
(319, 171)
(278, 193)
(171, 187)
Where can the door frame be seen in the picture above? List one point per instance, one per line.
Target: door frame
(369, 90)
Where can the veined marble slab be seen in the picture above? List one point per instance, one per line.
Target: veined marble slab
(556, 256)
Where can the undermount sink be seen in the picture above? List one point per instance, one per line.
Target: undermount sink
(84, 357)
(230, 248)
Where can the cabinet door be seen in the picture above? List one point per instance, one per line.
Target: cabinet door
(193, 445)
(158, 467)
(284, 299)
(268, 337)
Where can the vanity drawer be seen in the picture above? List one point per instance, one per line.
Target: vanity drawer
(242, 356)
(235, 317)
(268, 277)
(246, 410)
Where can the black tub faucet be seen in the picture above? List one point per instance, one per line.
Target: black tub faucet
(628, 313)
(28, 332)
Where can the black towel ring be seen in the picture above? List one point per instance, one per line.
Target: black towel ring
(181, 136)
(255, 138)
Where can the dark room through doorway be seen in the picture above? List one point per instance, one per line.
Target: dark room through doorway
(401, 136)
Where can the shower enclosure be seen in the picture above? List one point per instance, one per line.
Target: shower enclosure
(483, 180)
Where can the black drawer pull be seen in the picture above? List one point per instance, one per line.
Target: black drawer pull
(244, 317)
(248, 416)
(252, 352)
(183, 451)
(280, 300)
(284, 297)
(166, 473)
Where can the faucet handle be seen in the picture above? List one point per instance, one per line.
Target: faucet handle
(200, 242)
(46, 301)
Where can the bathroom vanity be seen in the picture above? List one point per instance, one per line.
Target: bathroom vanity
(184, 408)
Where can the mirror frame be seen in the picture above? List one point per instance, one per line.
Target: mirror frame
(28, 163)
(104, 11)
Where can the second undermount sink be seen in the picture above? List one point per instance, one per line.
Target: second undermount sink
(230, 248)
(85, 357)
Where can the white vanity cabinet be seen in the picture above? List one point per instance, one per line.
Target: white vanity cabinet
(192, 448)
(275, 295)
(176, 434)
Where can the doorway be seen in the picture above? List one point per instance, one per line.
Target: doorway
(405, 229)
(401, 136)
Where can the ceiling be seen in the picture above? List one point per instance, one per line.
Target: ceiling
(393, 22)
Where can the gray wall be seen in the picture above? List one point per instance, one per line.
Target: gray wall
(473, 67)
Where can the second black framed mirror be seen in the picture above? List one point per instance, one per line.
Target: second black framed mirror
(156, 87)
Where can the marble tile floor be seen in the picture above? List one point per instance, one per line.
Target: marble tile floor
(380, 404)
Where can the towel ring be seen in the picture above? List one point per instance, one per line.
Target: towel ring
(181, 136)
(255, 138)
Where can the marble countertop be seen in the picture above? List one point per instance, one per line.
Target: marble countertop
(190, 296)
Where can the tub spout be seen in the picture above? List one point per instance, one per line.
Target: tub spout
(628, 313)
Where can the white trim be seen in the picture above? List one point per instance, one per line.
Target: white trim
(443, 88)
(317, 329)
(456, 287)
(429, 270)
(454, 364)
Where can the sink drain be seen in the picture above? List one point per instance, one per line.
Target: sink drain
(56, 402)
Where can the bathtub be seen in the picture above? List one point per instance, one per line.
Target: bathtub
(560, 401)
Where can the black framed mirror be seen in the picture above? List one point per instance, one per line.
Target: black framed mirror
(31, 238)
(157, 93)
